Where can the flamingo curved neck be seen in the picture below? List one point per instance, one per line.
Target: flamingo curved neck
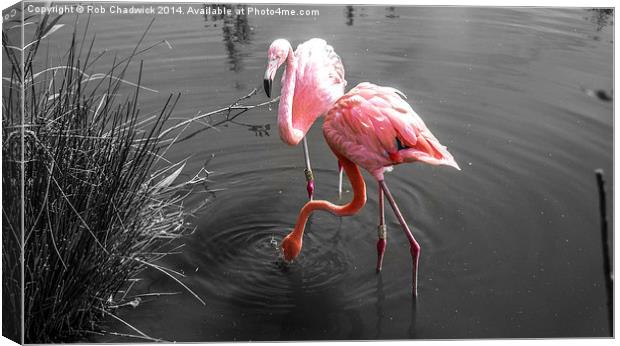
(351, 208)
(288, 133)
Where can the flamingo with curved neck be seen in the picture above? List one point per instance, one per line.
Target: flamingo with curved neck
(312, 81)
(372, 127)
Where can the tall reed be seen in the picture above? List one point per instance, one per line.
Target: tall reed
(100, 202)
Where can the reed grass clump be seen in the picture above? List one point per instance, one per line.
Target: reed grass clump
(101, 204)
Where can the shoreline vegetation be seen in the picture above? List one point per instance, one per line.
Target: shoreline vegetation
(101, 202)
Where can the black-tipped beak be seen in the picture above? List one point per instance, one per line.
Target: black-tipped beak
(270, 73)
(267, 84)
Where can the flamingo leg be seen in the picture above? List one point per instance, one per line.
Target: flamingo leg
(381, 232)
(414, 246)
(339, 180)
(308, 171)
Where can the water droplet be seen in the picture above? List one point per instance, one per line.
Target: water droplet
(274, 242)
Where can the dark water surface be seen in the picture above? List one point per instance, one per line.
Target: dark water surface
(510, 245)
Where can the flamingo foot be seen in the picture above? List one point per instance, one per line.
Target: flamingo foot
(415, 256)
(381, 245)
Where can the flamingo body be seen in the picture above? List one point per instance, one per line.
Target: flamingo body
(319, 82)
(374, 128)
(312, 81)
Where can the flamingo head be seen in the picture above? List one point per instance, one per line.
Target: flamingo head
(276, 55)
(291, 248)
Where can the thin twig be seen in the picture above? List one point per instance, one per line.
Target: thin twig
(172, 277)
(134, 336)
(156, 294)
(606, 258)
(130, 326)
(235, 106)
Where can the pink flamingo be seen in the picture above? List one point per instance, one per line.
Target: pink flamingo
(312, 81)
(372, 127)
